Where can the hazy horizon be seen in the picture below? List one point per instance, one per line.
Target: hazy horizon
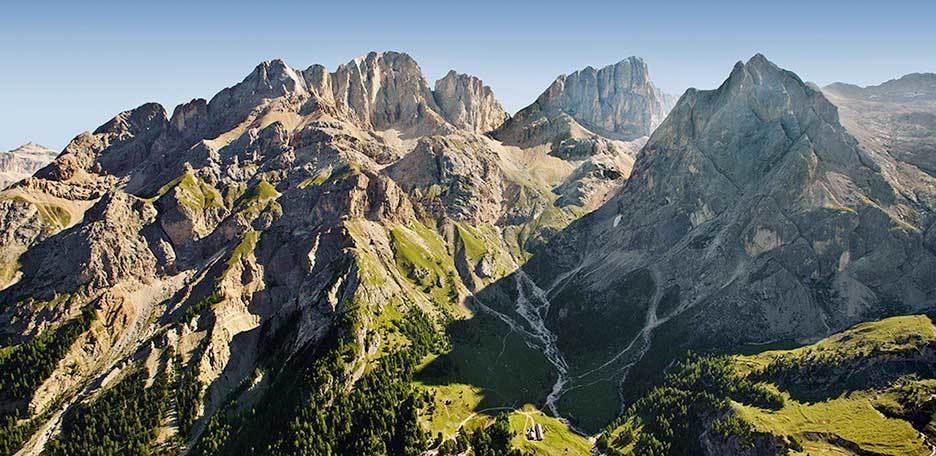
(76, 70)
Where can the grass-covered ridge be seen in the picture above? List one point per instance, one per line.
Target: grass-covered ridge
(54, 217)
(868, 390)
(254, 200)
(192, 192)
(421, 257)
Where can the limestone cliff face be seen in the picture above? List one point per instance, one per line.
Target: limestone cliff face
(468, 103)
(457, 177)
(597, 119)
(387, 90)
(22, 162)
(617, 101)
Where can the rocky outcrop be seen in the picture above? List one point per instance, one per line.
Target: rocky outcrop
(386, 90)
(453, 176)
(22, 162)
(589, 184)
(113, 149)
(617, 101)
(468, 104)
(106, 249)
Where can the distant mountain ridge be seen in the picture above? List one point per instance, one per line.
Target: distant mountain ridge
(897, 117)
(22, 162)
(910, 87)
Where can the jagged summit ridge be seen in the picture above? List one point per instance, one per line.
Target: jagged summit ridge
(385, 90)
(617, 101)
(468, 103)
(758, 96)
(610, 99)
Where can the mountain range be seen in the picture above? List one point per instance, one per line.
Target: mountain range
(357, 262)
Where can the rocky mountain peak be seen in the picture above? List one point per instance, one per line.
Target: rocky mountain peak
(746, 127)
(468, 104)
(732, 196)
(30, 148)
(619, 99)
(386, 90)
(275, 77)
(617, 102)
(135, 121)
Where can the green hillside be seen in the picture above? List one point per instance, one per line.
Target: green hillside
(868, 390)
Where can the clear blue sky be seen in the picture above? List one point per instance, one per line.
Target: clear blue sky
(66, 67)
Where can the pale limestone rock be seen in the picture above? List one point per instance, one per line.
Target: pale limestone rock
(468, 104)
(22, 162)
(617, 101)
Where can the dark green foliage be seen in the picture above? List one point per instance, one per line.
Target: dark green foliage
(649, 445)
(758, 395)
(422, 334)
(377, 417)
(24, 368)
(312, 413)
(730, 426)
(493, 440)
(816, 375)
(200, 306)
(672, 416)
(13, 433)
(915, 403)
(187, 393)
(595, 325)
(123, 420)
